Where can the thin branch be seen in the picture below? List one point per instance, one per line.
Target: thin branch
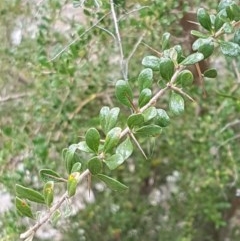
(233, 123)
(132, 11)
(107, 31)
(119, 41)
(78, 38)
(14, 97)
(181, 92)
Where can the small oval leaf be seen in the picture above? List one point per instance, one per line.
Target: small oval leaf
(149, 130)
(145, 79)
(95, 165)
(93, 139)
(192, 59)
(162, 118)
(112, 139)
(149, 113)
(112, 183)
(144, 97)
(72, 182)
(135, 120)
(151, 62)
(108, 118)
(176, 104)
(125, 149)
(124, 93)
(230, 49)
(48, 193)
(30, 194)
(166, 68)
(185, 78)
(76, 167)
(165, 41)
(210, 73)
(204, 19)
(114, 161)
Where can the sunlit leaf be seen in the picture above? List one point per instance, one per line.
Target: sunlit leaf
(176, 104)
(50, 175)
(125, 149)
(93, 139)
(144, 97)
(124, 93)
(145, 79)
(135, 120)
(114, 161)
(151, 62)
(112, 139)
(23, 208)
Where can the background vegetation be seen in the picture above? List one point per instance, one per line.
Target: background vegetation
(50, 97)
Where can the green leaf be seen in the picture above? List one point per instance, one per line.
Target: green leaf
(124, 93)
(204, 19)
(210, 73)
(224, 4)
(76, 167)
(165, 41)
(162, 118)
(236, 38)
(55, 217)
(149, 130)
(176, 104)
(144, 97)
(218, 22)
(114, 161)
(166, 68)
(125, 149)
(233, 12)
(199, 34)
(48, 193)
(95, 165)
(108, 118)
(82, 146)
(192, 59)
(135, 120)
(145, 79)
(93, 139)
(112, 139)
(50, 175)
(204, 46)
(70, 156)
(228, 28)
(112, 183)
(149, 113)
(72, 182)
(151, 62)
(30, 194)
(23, 208)
(185, 78)
(230, 49)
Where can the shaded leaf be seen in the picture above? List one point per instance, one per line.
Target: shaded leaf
(210, 73)
(95, 165)
(76, 167)
(93, 139)
(112, 183)
(166, 68)
(72, 183)
(82, 146)
(124, 93)
(144, 97)
(185, 78)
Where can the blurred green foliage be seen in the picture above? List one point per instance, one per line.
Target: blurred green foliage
(49, 100)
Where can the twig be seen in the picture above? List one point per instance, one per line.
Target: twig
(132, 11)
(118, 38)
(233, 123)
(13, 97)
(78, 38)
(181, 92)
(137, 144)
